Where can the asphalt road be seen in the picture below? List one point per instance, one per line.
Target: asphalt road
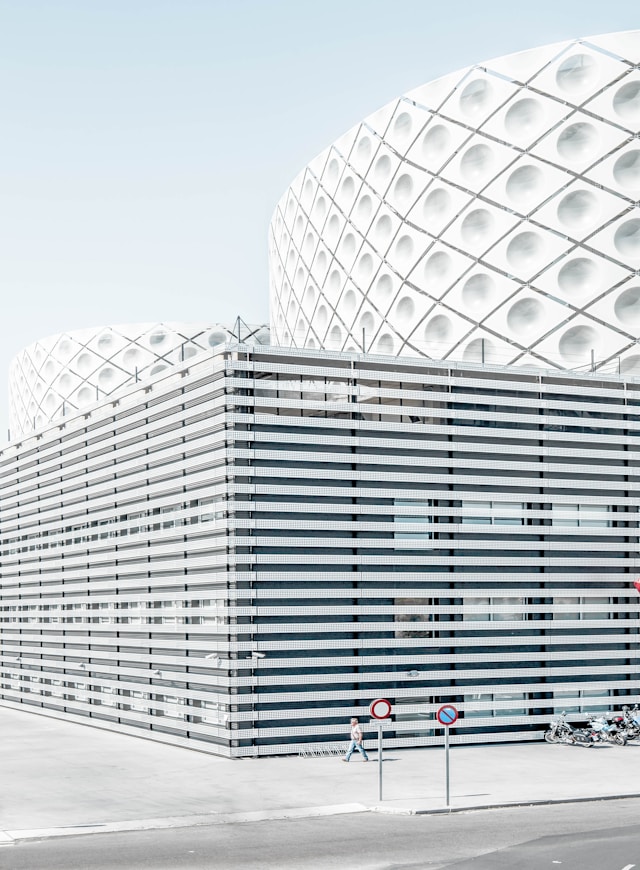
(600, 835)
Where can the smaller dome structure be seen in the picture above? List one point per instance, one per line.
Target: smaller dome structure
(66, 372)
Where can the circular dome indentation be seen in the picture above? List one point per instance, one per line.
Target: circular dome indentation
(158, 369)
(577, 343)
(364, 207)
(85, 395)
(382, 168)
(65, 348)
(478, 291)
(578, 209)
(438, 330)
(383, 229)
(322, 317)
(524, 250)
(131, 356)
(107, 376)
(476, 162)
(335, 337)
(436, 141)
(105, 342)
(321, 261)
(627, 307)
(477, 226)
(630, 365)
(525, 316)
(475, 97)
(365, 266)
(479, 350)
(403, 188)
(349, 244)
(626, 102)
(626, 170)
(524, 184)
(404, 249)
(385, 343)
(216, 336)
(402, 125)
(367, 322)
(363, 149)
(348, 187)
(158, 338)
(309, 243)
(524, 117)
(333, 170)
(437, 268)
(576, 73)
(383, 290)
(405, 310)
(335, 281)
(578, 277)
(578, 141)
(349, 302)
(65, 381)
(320, 208)
(84, 363)
(310, 296)
(437, 205)
(627, 238)
(333, 228)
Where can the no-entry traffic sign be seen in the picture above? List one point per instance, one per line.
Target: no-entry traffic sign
(447, 714)
(380, 709)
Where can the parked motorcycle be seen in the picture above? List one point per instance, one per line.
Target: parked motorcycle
(629, 722)
(606, 732)
(560, 731)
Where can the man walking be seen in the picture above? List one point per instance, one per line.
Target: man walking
(356, 742)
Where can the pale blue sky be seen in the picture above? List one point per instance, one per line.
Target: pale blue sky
(145, 143)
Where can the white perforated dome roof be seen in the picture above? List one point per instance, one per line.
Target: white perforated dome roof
(491, 215)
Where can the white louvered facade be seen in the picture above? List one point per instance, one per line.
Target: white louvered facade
(424, 532)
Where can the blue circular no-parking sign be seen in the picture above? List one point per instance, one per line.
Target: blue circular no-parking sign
(447, 714)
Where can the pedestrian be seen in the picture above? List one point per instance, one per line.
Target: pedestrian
(356, 742)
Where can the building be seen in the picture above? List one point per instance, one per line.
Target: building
(246, 548)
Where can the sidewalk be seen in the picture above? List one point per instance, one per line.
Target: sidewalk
(60, 778)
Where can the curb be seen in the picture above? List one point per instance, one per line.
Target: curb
(10, 838)
(498, 805)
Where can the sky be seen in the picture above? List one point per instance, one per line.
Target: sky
(144, 144)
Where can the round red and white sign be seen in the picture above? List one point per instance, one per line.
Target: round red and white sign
(380, 709)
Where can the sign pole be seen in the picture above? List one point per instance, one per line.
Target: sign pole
(446, 763)
(379, 761)
(380, 710)
(447, 715)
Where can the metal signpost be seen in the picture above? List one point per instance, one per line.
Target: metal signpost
(380, 711)
(447, 715)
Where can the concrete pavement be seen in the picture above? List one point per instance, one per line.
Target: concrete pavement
(60, 778)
